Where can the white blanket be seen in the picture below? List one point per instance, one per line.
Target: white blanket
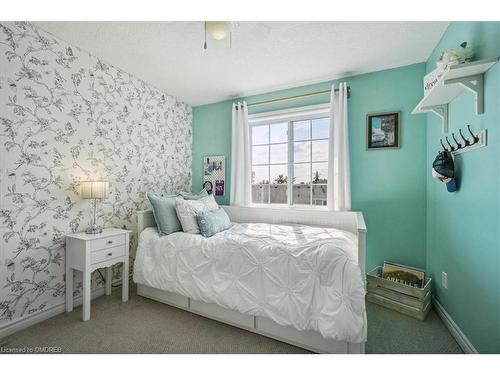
(301, 276)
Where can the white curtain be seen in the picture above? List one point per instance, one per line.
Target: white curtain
(240, 157)
(339, 176)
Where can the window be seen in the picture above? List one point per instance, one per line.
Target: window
(290, 157)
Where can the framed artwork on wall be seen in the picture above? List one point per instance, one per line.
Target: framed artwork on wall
(383, 130)
(214, 174)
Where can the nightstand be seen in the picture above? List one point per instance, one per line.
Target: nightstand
(88, 252)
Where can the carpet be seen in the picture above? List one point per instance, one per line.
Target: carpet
(145, 326)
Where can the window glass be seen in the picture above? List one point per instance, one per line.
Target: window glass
(279, 132)
(279, 153)
(260, 175)
(302, 173)
(302, 152)
(319, 195)
(290, 171)
(319, 150)
(260, 155)
(260, 135)
(301, 130)
(320, 128)
(319, 173)
(278, 174)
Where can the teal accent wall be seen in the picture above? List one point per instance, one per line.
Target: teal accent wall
(463, 228)
(411, 218)
(387, 186)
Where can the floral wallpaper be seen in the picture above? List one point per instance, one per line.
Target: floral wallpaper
(66, 116)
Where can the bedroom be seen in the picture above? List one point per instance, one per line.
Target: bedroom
(268, 187)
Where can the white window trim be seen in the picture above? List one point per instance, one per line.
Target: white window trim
(290, 114)
(294, 114)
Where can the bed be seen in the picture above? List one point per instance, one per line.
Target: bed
(292, 275)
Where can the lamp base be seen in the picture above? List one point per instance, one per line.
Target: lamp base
(94, 229)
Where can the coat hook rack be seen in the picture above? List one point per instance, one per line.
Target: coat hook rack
(466, 141)
(451, 147)
(459, 145)
(473, 142)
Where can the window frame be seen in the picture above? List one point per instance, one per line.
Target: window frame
(290, 116)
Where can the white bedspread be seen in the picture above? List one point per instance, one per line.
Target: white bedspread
(301, 276)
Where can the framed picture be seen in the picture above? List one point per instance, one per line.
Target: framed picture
(214, 174)
(410, 276)
(382, 130)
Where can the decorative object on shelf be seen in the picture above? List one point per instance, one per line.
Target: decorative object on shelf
(214, 171)
(382, 130)
(94, 190)
(414, 277)
(431, 79)
(443, 169)
(455, 56)
(403, 298)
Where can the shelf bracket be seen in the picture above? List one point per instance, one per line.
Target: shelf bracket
(442, 111)
(475, 85)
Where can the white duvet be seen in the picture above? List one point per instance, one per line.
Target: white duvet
(300, 276)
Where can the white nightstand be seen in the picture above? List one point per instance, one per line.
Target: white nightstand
(88, 252)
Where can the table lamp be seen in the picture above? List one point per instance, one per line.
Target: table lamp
(94, 190)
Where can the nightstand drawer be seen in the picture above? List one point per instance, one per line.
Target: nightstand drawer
(106, 254)
(107, 242)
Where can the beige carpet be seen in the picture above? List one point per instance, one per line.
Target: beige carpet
(145, 326)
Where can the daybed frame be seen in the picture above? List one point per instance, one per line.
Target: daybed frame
(310, 340)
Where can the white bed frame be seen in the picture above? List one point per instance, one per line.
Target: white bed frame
(310, 340)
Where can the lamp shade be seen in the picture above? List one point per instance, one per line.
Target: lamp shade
(94, 189)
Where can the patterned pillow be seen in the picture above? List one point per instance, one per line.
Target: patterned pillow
(193, 196)
(212, 222)
(164, 213)
(188, 209)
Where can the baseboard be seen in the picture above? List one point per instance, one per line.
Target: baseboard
(23, 323)
(454, 329)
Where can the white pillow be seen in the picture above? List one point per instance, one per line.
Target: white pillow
(188, 209)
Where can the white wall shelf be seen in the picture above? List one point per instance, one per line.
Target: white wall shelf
(456, 78)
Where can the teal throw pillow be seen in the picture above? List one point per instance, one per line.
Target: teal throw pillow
(164, 213)
(193, 196)
(212, 222)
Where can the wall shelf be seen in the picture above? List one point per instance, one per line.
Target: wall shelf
(456, 78)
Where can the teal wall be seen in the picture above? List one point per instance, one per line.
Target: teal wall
(411, 218)
(463, 228)
(387, 186)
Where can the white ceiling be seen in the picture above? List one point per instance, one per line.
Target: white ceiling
(265, 56)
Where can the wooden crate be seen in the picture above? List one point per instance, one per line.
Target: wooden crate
(415, 302)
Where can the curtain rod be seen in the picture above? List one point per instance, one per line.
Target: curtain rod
(288, 98)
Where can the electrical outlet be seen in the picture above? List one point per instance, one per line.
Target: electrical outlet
(444, 280)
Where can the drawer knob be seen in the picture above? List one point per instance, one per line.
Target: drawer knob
(110, 242)
(109, 254)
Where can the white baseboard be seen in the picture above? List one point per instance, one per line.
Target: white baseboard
(20, 324)
(454, 329)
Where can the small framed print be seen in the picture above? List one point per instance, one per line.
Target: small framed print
(383, 130)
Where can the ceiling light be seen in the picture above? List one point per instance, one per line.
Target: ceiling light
(218, 30)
